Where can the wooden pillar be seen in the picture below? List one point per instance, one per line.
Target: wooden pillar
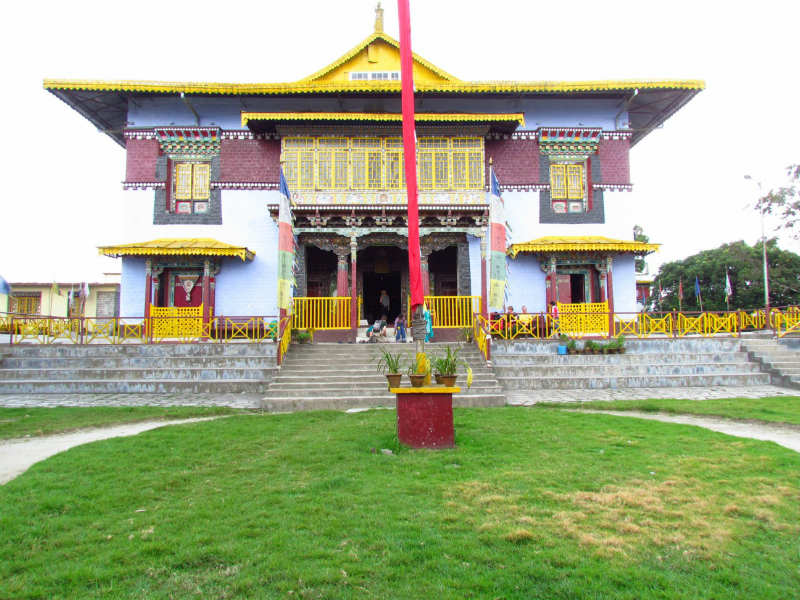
(484, 282)
(353, 286)
(341, 273)
(148, 288)
(424, 272)
(552, 286)
(610, 295)
(206, 298)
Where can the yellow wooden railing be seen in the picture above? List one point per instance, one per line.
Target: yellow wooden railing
(579, 319)
(480, 331)
(787, 321)
(284, 337)
(451, 311)
(331, 312)
(181, 322)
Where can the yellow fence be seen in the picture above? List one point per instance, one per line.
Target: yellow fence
(787, 321)
(451, 311)
(321, 313)
(576, 320)
(177, 322)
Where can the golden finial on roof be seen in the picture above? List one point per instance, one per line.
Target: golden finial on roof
(379, 19)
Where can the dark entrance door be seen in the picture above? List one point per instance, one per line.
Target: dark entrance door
(373, 284)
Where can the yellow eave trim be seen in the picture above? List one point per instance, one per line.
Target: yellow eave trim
(581, 244)
(178, 247)
(260, 89)
(344, 116)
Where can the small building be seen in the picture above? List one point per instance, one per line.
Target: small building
(64, 299)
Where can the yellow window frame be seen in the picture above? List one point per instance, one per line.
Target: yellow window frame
(192, 181)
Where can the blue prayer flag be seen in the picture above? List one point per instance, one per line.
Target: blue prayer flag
(696, 287)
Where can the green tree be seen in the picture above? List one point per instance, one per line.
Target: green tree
(744, 267)
(784, 202)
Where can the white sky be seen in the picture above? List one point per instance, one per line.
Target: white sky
(63, 195)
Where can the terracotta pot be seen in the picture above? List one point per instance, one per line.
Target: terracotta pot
(446, 380)
(394, 379)
(417, 380)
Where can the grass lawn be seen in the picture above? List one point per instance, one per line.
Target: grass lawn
(21, 422)
(532, 504)
(780, 409)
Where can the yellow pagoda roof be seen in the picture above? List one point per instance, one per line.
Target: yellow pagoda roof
(178, 247)
(356, 116)
(581, 243)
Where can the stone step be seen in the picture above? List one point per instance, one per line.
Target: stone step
(289, 390)
(617, 359)
(300, 403)
(632, 346)
(366, 378)
(623, 370)
(131, 387)
(199, 374)
(708, 379)
(141, 362)
(163, 350)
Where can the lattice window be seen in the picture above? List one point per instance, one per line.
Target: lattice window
(192, 187)
(568, 187)
(373, 163)
(25, 305)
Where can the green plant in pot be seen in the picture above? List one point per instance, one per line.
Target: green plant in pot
(389, 365)
(445, 367)
(419, 370)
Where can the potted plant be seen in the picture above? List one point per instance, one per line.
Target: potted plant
(419, 370)
(446, 367)
(563, 344)
(572, 347)
(389, 365)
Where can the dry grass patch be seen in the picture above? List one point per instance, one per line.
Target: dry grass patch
(695, 518)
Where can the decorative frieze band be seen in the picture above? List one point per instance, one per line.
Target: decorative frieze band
(533, 134)
(143, 185)
(224, 134)
(244, 185)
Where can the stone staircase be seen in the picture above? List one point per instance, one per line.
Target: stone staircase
(779, 358)
(137, 369)
(342, 376)
(535, 365)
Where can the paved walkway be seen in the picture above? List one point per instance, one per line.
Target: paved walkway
(18, 455)
(785, 435)
(530, 397)
(171, 399)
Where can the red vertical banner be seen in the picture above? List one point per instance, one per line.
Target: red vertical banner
(410, 152)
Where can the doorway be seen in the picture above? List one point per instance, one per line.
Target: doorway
(373, 284)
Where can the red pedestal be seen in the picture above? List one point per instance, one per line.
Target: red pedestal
(425, 416)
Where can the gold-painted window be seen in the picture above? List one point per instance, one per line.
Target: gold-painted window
(192, 187)
(25, 305)
(375, 163)
(566, 182)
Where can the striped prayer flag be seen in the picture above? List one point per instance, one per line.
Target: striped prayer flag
(497, 229)
(285, 248)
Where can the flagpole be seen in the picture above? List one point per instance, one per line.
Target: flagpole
(410, 157)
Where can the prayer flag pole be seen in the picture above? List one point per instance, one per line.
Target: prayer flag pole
(410, 157)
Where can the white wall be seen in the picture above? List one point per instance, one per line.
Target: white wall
(132, 287)
(526, 284)
(624, 283)
(474, 265)
(242, 288)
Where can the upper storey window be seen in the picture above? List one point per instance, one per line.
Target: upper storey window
(375, 163)
(568, 187)
(191, 187)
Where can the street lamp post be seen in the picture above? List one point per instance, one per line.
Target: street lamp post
(763, 248)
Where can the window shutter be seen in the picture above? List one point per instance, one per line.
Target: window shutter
(183, 181)
(558, 182)
(575, 182)
(201, 181)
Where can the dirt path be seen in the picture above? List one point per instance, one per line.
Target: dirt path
(785, 435)
(18, 455)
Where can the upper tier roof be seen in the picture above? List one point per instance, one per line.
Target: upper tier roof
(648, 103)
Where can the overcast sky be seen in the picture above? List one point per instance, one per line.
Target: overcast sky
(63, 192)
